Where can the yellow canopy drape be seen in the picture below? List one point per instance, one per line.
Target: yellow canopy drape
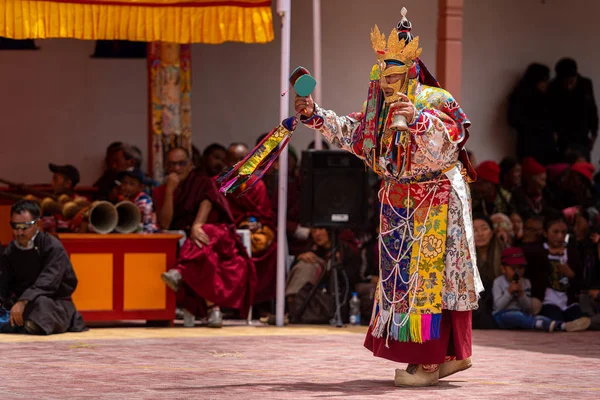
(177, 21)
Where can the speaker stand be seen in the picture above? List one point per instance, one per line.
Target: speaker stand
(337, 316)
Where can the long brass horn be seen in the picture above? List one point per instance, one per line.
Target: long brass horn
(130, 217)
(103, 217)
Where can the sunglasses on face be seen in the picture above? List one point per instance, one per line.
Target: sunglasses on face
(23, 225)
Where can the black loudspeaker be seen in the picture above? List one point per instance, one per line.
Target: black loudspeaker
(334, 190)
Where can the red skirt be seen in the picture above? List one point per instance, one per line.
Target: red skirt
(455, 341)
(220, 272)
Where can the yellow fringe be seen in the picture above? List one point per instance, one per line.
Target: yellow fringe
(29, 19)
(415, 328)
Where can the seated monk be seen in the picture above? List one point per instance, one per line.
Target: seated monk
(253, 211)
(213, 269)
(37, 278)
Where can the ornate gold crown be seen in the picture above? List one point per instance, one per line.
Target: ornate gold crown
(394, 49)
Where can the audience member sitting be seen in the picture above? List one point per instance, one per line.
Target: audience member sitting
(213, 269)
(132, 188)
(510, 180)
(517, 224)
(512, 297)
(503, 228)
(574, 187)
(36, 278)
(485, 189)
(309, 267)
(489, 249)
(556, 273)
(533, 197)
(253, 211)
(118, 158)
(533, 230)
(64, 180)
(213, 160)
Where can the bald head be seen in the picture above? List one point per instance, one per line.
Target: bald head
(236, 153)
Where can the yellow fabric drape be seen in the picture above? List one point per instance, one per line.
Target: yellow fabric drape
(183, 21)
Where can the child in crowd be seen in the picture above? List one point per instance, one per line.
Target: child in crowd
(556, 274)
(132, 188)
(512, 298)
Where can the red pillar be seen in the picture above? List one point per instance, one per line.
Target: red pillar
(449, 45)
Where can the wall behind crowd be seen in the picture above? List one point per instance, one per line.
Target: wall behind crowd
(60, 105)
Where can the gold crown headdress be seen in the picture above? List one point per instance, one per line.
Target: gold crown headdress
(395, 48)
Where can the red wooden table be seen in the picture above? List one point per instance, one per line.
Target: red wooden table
(119, 275)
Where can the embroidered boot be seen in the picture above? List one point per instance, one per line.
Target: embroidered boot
(421, 375)
(452, 366)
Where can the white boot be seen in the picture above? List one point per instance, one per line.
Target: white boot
(418, 376)
(453, 366)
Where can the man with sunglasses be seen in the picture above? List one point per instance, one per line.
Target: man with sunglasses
(36, 278)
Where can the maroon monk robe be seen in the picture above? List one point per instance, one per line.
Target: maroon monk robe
(220, 272)
(256, 203)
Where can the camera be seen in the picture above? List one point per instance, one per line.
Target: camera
(516, 276)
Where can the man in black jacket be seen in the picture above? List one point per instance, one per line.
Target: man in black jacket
(36, 278)
(574, 111)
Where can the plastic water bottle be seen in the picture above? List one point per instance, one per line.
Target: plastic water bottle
(354, 309)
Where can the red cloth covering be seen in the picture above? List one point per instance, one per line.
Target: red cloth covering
(489, 171)
(584, 168)
(256, 203)
(220, 272)
(531, 167)
(455, 341)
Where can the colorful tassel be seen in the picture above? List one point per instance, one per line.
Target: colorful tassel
(426, 327)
(403, 334)
(259, 160)
(415, 328)
(436, 321)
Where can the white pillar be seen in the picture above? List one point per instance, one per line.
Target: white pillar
(317, 63)
(284, 9)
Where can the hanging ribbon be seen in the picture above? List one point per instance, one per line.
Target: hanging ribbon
(259, 160)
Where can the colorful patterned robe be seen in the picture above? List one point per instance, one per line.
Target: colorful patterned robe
(426, 246)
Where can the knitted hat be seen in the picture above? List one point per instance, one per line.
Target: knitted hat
(489, 171)
(532, 167)
(584, 168)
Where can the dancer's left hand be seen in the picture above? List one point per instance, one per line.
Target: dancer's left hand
(404, 107)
